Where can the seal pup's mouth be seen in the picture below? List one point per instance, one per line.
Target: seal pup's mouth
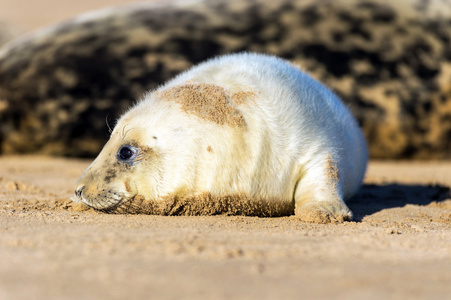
(133, 205)
(104, 200)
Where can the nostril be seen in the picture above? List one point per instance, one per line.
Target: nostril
(79, 190)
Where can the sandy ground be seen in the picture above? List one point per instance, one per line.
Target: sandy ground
(399, 246)
(27, 15)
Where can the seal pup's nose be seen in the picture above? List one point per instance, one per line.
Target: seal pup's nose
(79, 191)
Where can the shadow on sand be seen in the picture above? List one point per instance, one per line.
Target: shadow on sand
(372, 198)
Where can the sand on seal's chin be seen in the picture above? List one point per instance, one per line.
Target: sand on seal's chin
(206, 204)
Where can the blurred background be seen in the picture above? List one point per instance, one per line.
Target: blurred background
(26, 15)
(390, 62)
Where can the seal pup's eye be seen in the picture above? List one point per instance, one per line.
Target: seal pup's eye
(127, 153)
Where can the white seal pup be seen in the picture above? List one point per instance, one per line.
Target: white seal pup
(242, 134)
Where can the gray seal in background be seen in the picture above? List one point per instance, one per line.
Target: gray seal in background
(389, 62)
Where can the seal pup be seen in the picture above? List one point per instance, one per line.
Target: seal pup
(245, 134)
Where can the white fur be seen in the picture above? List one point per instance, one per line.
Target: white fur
(295, 129)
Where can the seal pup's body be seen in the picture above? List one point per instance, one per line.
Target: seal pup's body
(240, 134)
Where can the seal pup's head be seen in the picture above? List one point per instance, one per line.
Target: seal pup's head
(175, 142)
(148, 150)
(111, 179)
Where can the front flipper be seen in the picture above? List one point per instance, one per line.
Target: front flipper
(323, 212)
(318, 196)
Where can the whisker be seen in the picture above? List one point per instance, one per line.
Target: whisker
(128, 132)
(108, 125)
(123, 129)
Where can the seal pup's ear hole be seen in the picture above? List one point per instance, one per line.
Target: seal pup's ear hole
(154, 137)
(127, 153)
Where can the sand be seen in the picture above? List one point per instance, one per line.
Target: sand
(398, 246)
(205, 101)
(27, 15)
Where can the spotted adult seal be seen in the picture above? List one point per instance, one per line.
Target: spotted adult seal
(240, 134)
(7, 32)
(390, 61)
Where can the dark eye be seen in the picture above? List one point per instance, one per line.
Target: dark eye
(126, 153)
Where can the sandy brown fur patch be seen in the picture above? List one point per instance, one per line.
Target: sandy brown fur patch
(332, 169)
(206, 204)
(243, 97)
(148, 151)
(206, 101)
(127, 185)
